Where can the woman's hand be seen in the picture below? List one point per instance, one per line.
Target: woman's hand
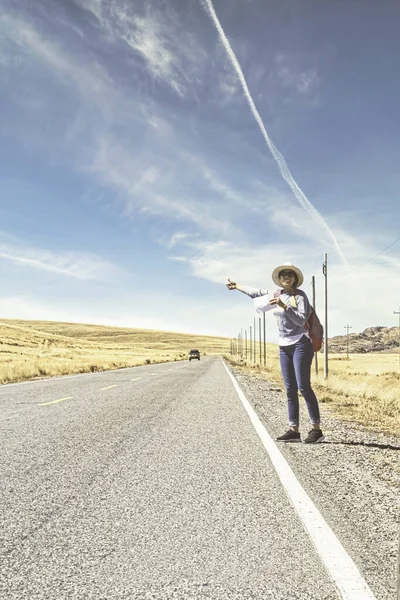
(232, 285)
(279, 302)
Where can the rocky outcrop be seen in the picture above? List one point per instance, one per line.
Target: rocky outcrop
(372, 339)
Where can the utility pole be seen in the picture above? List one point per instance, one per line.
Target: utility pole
(251, 346)
(245, 344)
(348, 327)
(313, 303)
(265, 341)
(255, 333)
(397, 312)
(259, 337)
(325, 272)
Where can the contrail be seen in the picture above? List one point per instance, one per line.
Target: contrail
(286, 174)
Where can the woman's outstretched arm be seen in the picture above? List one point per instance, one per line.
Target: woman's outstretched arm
(249, 291)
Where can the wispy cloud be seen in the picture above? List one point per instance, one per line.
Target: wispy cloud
(176, 238)
(305, 82)
(228, 89)
(29, 43)
(72, 79)
(148, 38)
(171, 55)
(167, 43)
(246, 262)
(165, 188)
(70, 264)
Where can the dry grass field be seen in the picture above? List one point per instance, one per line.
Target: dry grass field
(365, 389)
(34, 349)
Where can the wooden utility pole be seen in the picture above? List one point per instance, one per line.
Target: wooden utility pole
(397, 312)
(259, 338)
(265, 341)
(325, 272)
(313, 303)
(245, 344)
(254, 350)
(347, 341)
(251, 346)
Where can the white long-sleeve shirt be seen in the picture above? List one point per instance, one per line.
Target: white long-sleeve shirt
(291, 321)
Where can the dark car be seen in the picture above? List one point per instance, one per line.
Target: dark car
(194, 354)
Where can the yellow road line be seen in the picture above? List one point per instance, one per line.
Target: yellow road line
(54, 401)
(136, 378)
(109, 387)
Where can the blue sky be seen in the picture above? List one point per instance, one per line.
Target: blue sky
(136, 176)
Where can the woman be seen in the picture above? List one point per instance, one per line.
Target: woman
(295, 348)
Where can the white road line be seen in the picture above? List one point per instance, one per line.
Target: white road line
(108, 387)
(338, 563)
(136, 378)
(55, 401)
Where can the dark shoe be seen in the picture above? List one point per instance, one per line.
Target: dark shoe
(289, 436)
(315, 436)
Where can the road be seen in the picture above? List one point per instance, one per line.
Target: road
(148, 482)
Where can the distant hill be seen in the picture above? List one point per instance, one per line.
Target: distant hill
(36, 349)
(16, 332)
(372, 339)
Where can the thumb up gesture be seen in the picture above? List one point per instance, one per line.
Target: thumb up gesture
(231, 285)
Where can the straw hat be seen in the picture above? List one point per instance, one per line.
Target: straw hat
(287, 266)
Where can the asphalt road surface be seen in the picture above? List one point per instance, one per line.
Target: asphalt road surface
(148, 482)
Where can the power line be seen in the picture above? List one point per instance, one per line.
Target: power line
(386, 262)
(379, 253)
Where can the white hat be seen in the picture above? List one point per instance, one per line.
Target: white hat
(287, 266)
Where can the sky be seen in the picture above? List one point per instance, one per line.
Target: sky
(149, 149)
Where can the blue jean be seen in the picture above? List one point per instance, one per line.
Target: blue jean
(296, 372)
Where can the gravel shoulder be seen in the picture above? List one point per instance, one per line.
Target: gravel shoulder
(353, 478)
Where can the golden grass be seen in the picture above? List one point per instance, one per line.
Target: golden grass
(34, 349)
(365, 389)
